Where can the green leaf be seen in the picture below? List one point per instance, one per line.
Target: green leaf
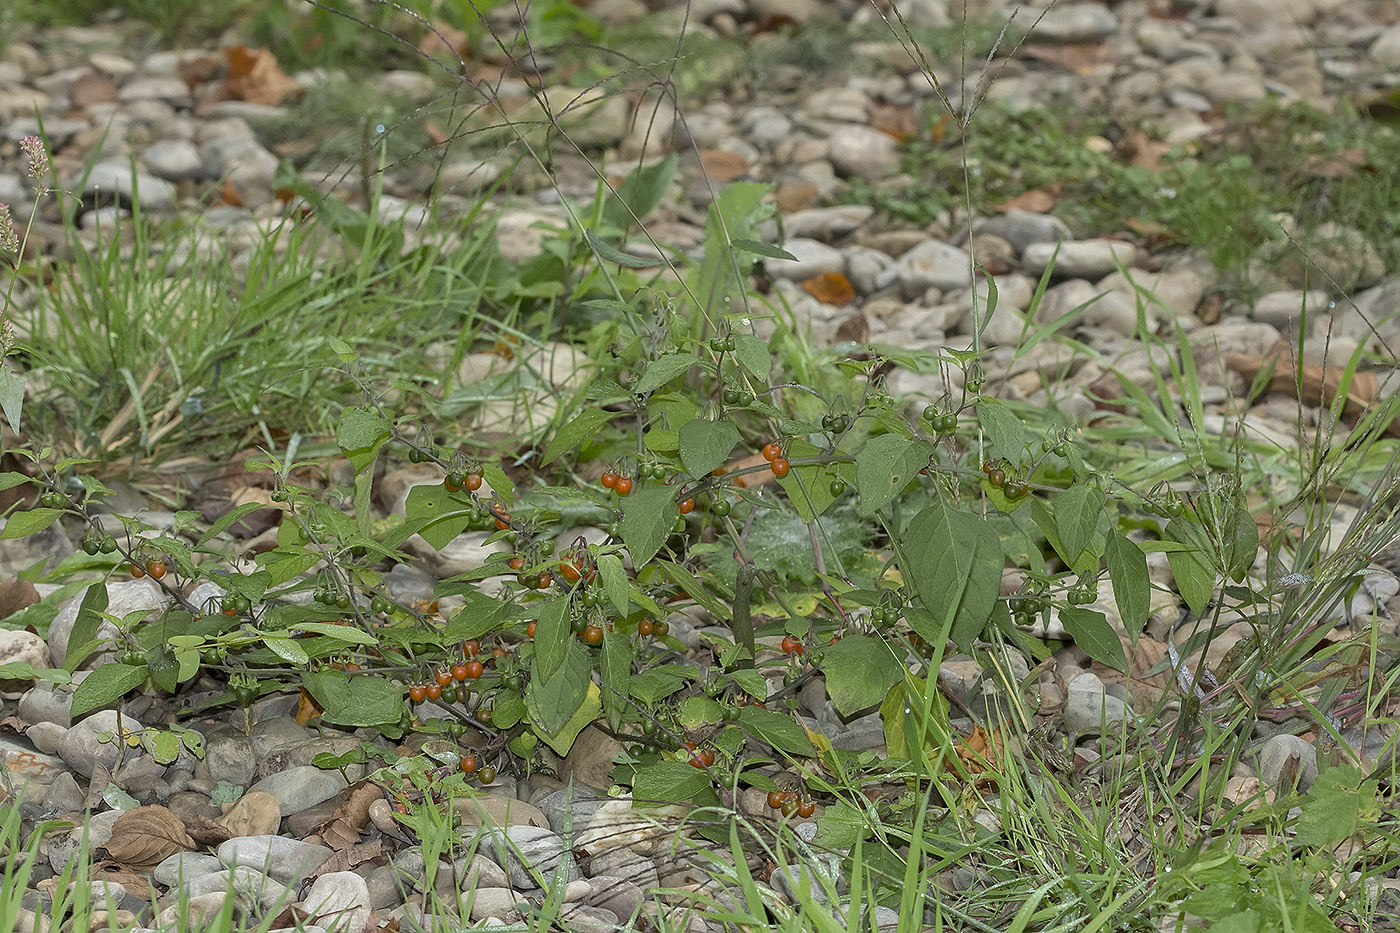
(448, 516)
(227, 520)
(362, 700)
(1132, 588)
(668, 782)
(106, 685)
(1004, 429)
(11, 396)
(551, 638)
(657, 684)
(884, 466)
(642, 191)
(737, 212)
(553, 700)
(1077, 513)
(286, 649)
(360, 435)
(614, 578)
(11, 480)
(84, 631)
(751, 682)
(955, 560)
(1242, 545)
(663, 369)
(20, 670)
(1091, 631)
(164, 668)
(22, 524)
(606, 252)
(575, 431)
(753, 354)
(860, 669)
(1195, 578)
(760, 248)
(705, 445)
(346, 633)
(1338, 805)
(777, 729)
(507, 709)
(616, 670)
(692, 584)
(647, 516)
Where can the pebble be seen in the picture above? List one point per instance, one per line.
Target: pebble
(339, 901)
(284, 859)
(1283, 751)
(83, 748)
(1082, 259)
(863, 152)
(525, 850)
(300, 788)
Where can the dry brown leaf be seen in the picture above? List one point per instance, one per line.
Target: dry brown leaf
(1317, 382)
(831, 288)
(722, 165)
(446, 44)
(307, 708)
(1036, 200)
(229, 196)
(143, 837)
(1142, 151)
(16, 594)
(347, 858)
(1081, 59)
(894, 120)
(854, 329)
(342, 830)
(981, 750)
(206, 832)
(794, 196)
(135, 884)
(255, 76)
(1341, 164)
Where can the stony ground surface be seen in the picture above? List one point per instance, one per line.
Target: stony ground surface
(106, 93)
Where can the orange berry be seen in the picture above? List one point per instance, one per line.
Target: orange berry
(468, 764)
(624, 486)
(459, 671)
(687, 506)
(137, 570)
(156, 568)
(569, 572)
(530, 630)
(471, 648)
(781, 466)
(473, 669)
(443, 677)
(517, 563)
(417, 693)
(472, 481)
(771, 451)
(608, 480)
(433, 691)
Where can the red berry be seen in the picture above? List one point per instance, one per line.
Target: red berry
(433, 691)
(781, 466)
(468, 764)
(517, 563)
(417, 693)
(502, 521)
(569, 572)
(771, 451)
(472, 669)
(459, 671)
(806, 808)
(472, 481)
(646, 627)
(775, 799)
(592, 635)
(137, 570)
(624, 485)
(608, 479)
(471, 648)
(687, 506)
(156, 568)
(443, 677)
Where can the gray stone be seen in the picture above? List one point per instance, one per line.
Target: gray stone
(1211, 344)
(274, 733)
(23, 764)
(300, 788)
(859, 151)
(243, 162)
(115, 178)
(123, 598)
(1386, 48)
(827, 223)
(248, 883)
(184, 867)
(623, 898)
(82, 748)
(584, 918)
(500, 904)
(1083, 259)
(21, 647)
(47, 703)
(1074, 23)
(933, 264)
(173, 160)
(1089, 709)
(1277, 753)
(813, 258)
(1285, 309)
(818, 880)
(284, 859)
(195, 913)
(339, 901)
(228, 756)
(521, 850)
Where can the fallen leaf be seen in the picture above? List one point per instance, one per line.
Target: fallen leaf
(1340, 164)
(307, 708)
(347, 858)
(794, 196)
(446, 44)
(722, 165)
(1311, 384)
(343, 829)
(831, 288)
(229, 196)
(16, 594)
(206, 832)
(1142, 151)
(894, 120)
(1036, 200)
(143, 837)
(1081, 59)
(254, 76)
(256, 813)
(130, 880)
